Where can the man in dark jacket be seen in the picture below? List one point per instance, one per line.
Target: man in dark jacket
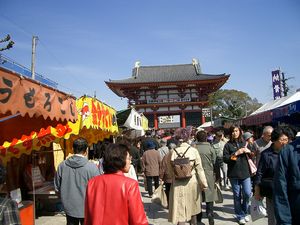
(287, 185)
(71, 180)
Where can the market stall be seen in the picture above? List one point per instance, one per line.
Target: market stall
(285, 109)
(96, 121)
(133, 123)
(288, 111)
(32, 117)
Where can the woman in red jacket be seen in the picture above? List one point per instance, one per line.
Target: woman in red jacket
(113, 198)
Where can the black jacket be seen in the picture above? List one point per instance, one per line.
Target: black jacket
(239, 168)
(266, 170)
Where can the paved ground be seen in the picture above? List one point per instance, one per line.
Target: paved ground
(158, 216)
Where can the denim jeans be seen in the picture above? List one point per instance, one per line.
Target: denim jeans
(241, 196)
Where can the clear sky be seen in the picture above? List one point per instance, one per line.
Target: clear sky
(83, 43)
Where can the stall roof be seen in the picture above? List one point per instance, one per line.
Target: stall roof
(122, 116)
(277, 103)
(273, 110)
(206, 124)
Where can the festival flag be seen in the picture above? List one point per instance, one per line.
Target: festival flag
(276, 84)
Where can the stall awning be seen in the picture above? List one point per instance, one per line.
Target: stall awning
(33, 141)
(258, 119)
(96, 121)
(24, 96)
(276, 110)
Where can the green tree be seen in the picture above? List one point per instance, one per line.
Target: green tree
(232, 103)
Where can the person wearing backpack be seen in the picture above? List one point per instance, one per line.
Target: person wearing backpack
(185, 194)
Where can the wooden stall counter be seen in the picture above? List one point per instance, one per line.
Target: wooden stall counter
(45, 199)
(45, 192)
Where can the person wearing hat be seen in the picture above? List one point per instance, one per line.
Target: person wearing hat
(9, 212)
(148, 138)
(150, 164)
(248, 137)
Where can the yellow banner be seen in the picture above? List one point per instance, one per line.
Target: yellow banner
(93, 114)
(96, 121)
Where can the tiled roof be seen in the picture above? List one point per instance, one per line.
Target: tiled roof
(166, 73)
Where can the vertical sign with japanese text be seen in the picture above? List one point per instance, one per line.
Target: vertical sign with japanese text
(276, 84)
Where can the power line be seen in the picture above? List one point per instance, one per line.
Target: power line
(17, 26)
(29, 34)
(61, 64)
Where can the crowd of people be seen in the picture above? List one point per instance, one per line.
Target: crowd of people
(108, 192)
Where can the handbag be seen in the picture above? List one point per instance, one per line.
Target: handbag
(257, 209)
(159, 196)
(218, 197)
(252, 166)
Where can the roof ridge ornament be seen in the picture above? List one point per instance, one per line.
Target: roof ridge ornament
(196, 64)
(135, 70)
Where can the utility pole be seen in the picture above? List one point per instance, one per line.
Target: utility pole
(34, 41)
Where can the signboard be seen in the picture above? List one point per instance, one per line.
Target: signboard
(206, 112)
(276, 84)
(169, 100)
(25, 96)
(169, 119)
(166, 122)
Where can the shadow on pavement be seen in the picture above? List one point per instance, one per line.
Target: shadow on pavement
(227, 196)
(159, 211)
